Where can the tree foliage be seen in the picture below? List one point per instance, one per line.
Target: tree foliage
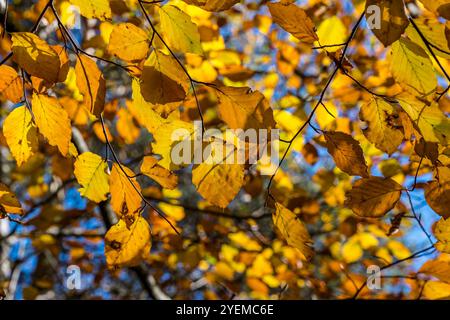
(92, 91)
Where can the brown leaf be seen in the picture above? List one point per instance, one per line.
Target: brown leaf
(347, 153)
(373, 197)
(393, 20)
(294, 20)
(91, 84)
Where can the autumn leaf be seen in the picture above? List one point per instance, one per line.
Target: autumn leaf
(52, 121)
(99, 9)
(10, 84)
(125, 191)
(35, 56)
(91, 172)
(128, 42)
(383, 127)
(128, 242)
(373, 197)
(393, 20)
(20, 134)
(8, 201)
(293, 230)
(347, 153)
(163, 80)
(294, 20)
(437, 195)
(438, 268)
(180, 32)
(164, 177)
(91, 84)
(441, 231)
(218, 183)
(412, 68)
(431, 121)
(241, 108)
(213, 5)
(441, 7)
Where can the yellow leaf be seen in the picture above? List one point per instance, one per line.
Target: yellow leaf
(180, 33)
(52, 121)
(99, 9)
(125, 191)
(393, 20)
(126, 127)
(434, 32)
(166, 140)
(128, 42)
(35, 56)
(91, 84)
(8, 201)
(373, 197)
(431, 121)
(442, 233)
(128, 242)
(164, 177)
(346, 152)
(213, 5)
(20, 134)
(412, 68)
(382, 129)
(440, 7)
(438, 268)
(435, 290)
(143, 110)
(437, 195)
(294, 20)
(91, 172)
(162, 79)
(10, 84)
(293, 230)
(240, 108)
(218, 183)
(332, 31)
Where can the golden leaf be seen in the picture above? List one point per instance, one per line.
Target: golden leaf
(240, 108)
(293, 230)
(164, 177)
(52, 121)
(393, 20)
(10, 84)
(125, 191)
(128, 242)
(20, 134)
(128, 42)
(346, 152)
(373, 197)
(91, 84)
(412, 68)
(91, 172)
(162, 79)
(99, 9)
(180, 33)
(294, 20)
(8, 201)
(382, 127)
(35, 56)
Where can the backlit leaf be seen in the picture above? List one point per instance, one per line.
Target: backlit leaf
(373, 197)
(128, 42)
(127, 243)
(346, 152)
(52, 121)
(20, 134)
(293, 230)
(294, 20)
(91, 172)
